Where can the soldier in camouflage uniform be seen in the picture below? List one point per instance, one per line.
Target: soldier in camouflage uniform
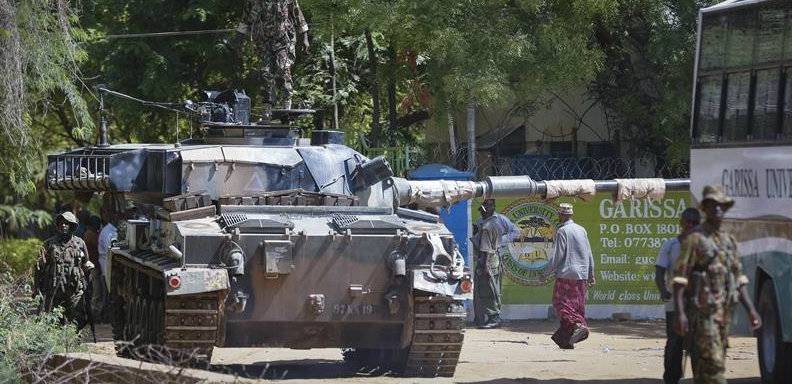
(708, 282)
(60, 274)
(274, 25)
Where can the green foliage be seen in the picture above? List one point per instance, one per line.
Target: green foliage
(649, 48)
(163, 69)
(28, 338)
(19, 256)
(39, 61)
(446, 54)
(14, 218)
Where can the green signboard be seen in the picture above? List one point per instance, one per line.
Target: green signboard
(625, 239)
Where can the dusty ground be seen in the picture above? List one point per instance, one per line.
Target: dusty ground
(520, 352)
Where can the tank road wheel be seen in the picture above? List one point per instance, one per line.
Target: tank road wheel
(438, 331)
(775, 355)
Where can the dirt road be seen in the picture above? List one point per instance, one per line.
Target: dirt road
(520, 352)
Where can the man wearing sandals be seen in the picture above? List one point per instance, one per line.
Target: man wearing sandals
(572, 265)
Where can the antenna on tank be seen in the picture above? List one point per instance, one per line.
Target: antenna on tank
(177, 129)
(103, 142)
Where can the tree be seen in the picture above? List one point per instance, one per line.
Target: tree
(476, 50)
(646, 80)
(39, 59)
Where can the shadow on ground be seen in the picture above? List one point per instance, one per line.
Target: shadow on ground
(749, 380)
(639, 329)
(300, 370)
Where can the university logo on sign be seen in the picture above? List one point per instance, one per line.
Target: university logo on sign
(526, 259)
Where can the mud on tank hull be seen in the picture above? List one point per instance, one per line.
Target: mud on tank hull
(304, 277)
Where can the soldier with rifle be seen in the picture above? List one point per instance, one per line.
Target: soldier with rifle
(708, 282)
(60, 275)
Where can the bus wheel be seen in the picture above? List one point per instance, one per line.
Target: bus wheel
(774, 355)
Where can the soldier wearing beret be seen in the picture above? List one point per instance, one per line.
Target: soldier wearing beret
(60, 276)
(708, 282)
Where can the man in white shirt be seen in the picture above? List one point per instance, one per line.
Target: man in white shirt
(106, 237)
(664, 269)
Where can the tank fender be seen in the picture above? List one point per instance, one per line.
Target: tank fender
(422, 280)
(189, 281)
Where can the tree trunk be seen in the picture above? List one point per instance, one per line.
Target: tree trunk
(376, 129)
(393, 122)
(471, 132)
(452, 144)
(334, 124)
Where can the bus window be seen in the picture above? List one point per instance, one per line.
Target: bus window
(765, 113)
(788, 33)
(786, 129)
(739, 49)
(709, 109)
(735, 122)
(770, 36)
(713, 42)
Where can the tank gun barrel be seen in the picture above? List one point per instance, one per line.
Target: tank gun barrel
(438, 193)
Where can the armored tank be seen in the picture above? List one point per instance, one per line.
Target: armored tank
(250, 236)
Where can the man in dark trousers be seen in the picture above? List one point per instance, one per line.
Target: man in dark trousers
(664, 268)
(486, 241)
(708, 283)
(275, 26)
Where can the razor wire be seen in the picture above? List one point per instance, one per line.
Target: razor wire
(539, 167)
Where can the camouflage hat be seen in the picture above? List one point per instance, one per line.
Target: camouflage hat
(68, 217)
(565, 209)
(716, 194)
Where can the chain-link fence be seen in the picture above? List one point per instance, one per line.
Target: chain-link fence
(546, 167)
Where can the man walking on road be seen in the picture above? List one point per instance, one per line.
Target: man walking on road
(486, 241)
(663, 275)
(708, 281)
(573, 266)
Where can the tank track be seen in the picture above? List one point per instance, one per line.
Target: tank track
(438, 333)
(152, 326)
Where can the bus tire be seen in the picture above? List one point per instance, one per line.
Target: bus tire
(775, 356)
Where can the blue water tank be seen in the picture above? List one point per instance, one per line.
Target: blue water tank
(457, 217)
